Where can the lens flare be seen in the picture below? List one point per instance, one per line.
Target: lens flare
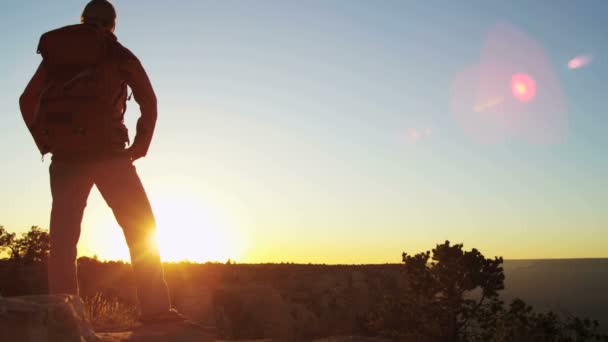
(413, 135)
(487, 105)
(513, 93)
(523, 87)
(579, 61)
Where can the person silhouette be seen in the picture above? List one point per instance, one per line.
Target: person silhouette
(74, 107)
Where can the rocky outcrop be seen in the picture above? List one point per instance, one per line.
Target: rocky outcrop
(350, 339)
(61, 318)
(44, 318)
(177, 332)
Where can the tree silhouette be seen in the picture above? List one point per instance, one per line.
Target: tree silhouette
(7, 242)
(521, 323)
(453, 295)
(457, 287)
(33, 246)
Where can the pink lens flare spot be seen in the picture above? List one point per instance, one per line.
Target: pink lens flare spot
(512, 94)
(415, 135)
(487, 105)
(412, 135)
(579, 61)
(523, 87)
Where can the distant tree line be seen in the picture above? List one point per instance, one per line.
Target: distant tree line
(447, 294)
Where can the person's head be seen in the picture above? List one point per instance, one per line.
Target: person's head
(100, 13)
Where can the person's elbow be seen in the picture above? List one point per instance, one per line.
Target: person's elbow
(27, 107)
(150, 108)
(23, 102)
(154, 103)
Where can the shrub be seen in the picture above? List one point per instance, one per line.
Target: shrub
(110, 313)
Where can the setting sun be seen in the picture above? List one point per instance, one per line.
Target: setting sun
(190, 230)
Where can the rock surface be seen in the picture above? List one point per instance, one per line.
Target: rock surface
(350, 339)
(62, 318)
(44, 318)
(176, 332)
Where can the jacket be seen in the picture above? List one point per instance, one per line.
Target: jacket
(126, 70)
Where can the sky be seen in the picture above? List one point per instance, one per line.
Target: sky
(333, 131)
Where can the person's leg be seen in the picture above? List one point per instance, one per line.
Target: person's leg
(70, 187)
(120, 186)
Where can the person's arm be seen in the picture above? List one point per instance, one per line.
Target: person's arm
(138, 81)
(28, 103)
(29, 99)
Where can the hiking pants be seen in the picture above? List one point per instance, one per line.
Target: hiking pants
(118, 182)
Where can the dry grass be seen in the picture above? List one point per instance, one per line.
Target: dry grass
(108, 314)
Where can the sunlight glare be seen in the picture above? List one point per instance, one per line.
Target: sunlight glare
(188, 229)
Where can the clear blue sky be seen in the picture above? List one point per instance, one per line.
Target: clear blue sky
(282, 123)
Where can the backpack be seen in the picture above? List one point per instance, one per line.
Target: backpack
(82, 106)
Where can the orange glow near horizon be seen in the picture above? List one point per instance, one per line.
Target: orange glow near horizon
(187, 230)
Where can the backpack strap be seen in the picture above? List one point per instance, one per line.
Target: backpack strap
(83, 74)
